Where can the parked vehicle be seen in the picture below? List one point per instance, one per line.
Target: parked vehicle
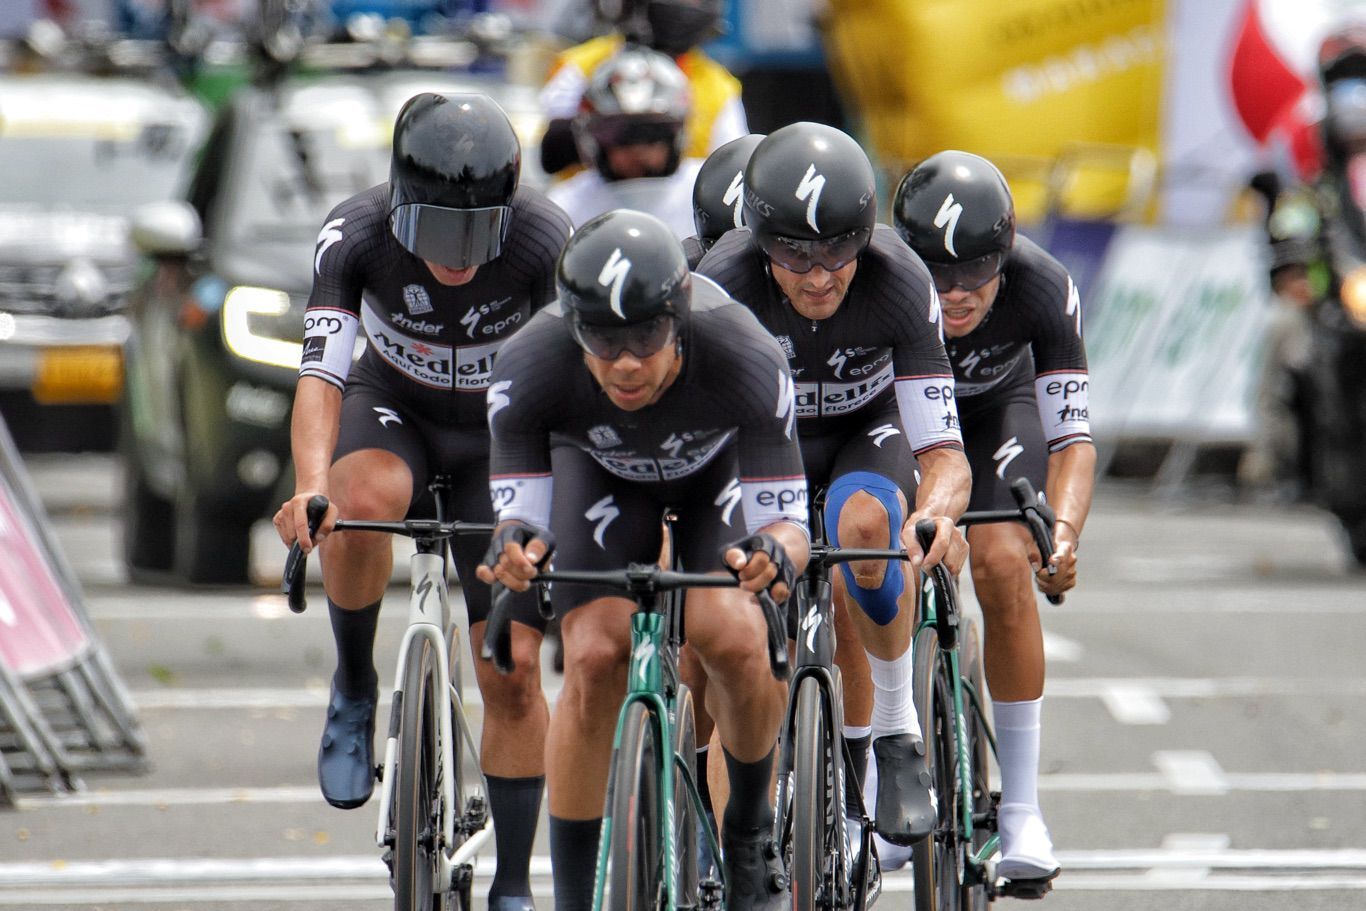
(78, 153)
(217, 317)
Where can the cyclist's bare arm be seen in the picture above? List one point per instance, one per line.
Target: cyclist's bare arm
(313, 438)
(945, 484)
(1071, 480)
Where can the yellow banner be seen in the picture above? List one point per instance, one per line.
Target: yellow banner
(1064, 95)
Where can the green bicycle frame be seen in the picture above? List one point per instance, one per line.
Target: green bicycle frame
(645, 682)
(963, 809)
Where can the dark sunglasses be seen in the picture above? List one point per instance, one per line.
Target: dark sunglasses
(801, 256)
(641, 339)
(616, 130)
(969, 275)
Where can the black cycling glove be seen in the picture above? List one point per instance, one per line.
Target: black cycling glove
(523, 533)
(765, 543)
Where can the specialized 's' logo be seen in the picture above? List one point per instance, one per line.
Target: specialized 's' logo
(735, 198)
(1074, 305)
(613, 275)
(496, 399)
(970, 362)
(329, 235)
(811, 623)
(880, 434)
(787, 403)
(386, 415)
(417, 300)
(837, 360)
(1009, 451)
(470, 320)
(949, 213)
(728, 500)
(809, 190)
(603, 512)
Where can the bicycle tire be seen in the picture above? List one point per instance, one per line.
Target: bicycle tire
(417, 786)
(974, 893)
(455, 667)
(686, 847)
(935, 859)
(635, 874)
(811, 801)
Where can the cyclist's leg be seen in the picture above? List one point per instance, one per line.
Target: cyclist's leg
(1004, 441)
(600, 522)
(745, 701)
(866, 505)
(512, 742)
(371, 477)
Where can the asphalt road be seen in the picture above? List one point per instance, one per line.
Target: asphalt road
(1203, 742)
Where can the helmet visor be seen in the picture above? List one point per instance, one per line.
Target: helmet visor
(801, 256)
(454, 238)
(641, 339)
(968, 275)
(613, 130)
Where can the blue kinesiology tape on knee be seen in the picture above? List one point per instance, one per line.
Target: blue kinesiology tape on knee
(878, 603)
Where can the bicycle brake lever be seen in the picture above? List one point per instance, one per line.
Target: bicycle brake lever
(292, 586)
(777, 636)
(498, 632)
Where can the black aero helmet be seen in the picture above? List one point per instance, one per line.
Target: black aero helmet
(454, 171)
(810, 197)
(637, 96)
(624, 283)
(955, 210)
(718, 191)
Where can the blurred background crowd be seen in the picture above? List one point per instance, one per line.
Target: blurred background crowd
(165, 166)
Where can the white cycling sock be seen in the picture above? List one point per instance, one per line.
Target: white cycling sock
(1017, 750)
(893, 700)
(855, 731)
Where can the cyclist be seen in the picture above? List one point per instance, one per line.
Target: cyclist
(718, 194)
(438, 268)
(857, 316)
(672, 27)
(630, 138)
(1012, 317)
(655, 390)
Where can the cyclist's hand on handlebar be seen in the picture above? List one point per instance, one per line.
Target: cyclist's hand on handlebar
(949, 545)
(291, 521)
(515, 554)
(1064, 563)
(761, 563)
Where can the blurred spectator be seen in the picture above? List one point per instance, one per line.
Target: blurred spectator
(1278, 459)
(673, 27)
(631, 139)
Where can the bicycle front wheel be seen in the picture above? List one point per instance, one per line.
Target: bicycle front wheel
(812, 801)
(935, 859)
(686, 845)
(974, 887)
(415, 819)
(635, 873)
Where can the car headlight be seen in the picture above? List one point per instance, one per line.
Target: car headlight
(1354, 296)
(258, 325)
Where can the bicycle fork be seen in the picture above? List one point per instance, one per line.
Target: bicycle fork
(428, 614)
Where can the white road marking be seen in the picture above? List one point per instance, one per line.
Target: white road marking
(1184, 844)
(1201, 687)
(1263, 782)
(1191, 771)
(1133, 703)
(1060, 648)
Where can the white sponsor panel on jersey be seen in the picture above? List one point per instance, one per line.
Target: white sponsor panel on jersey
(929, 411)
(776, 500)
(829, 399)
(329, 340)
(474, 364)
(1064, 406)
(524, 498)
(645, 468)
(422, 360)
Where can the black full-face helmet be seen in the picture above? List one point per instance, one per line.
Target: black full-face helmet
(636, 97)
(955, 210)
(624, 283)
(455, 166)
(810, 197)
(718, 192)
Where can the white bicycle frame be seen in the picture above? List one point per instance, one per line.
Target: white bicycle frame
(428, 577)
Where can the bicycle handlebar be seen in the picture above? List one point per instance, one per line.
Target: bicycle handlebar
(636, 580)
(1036, 515)
(292, 583)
